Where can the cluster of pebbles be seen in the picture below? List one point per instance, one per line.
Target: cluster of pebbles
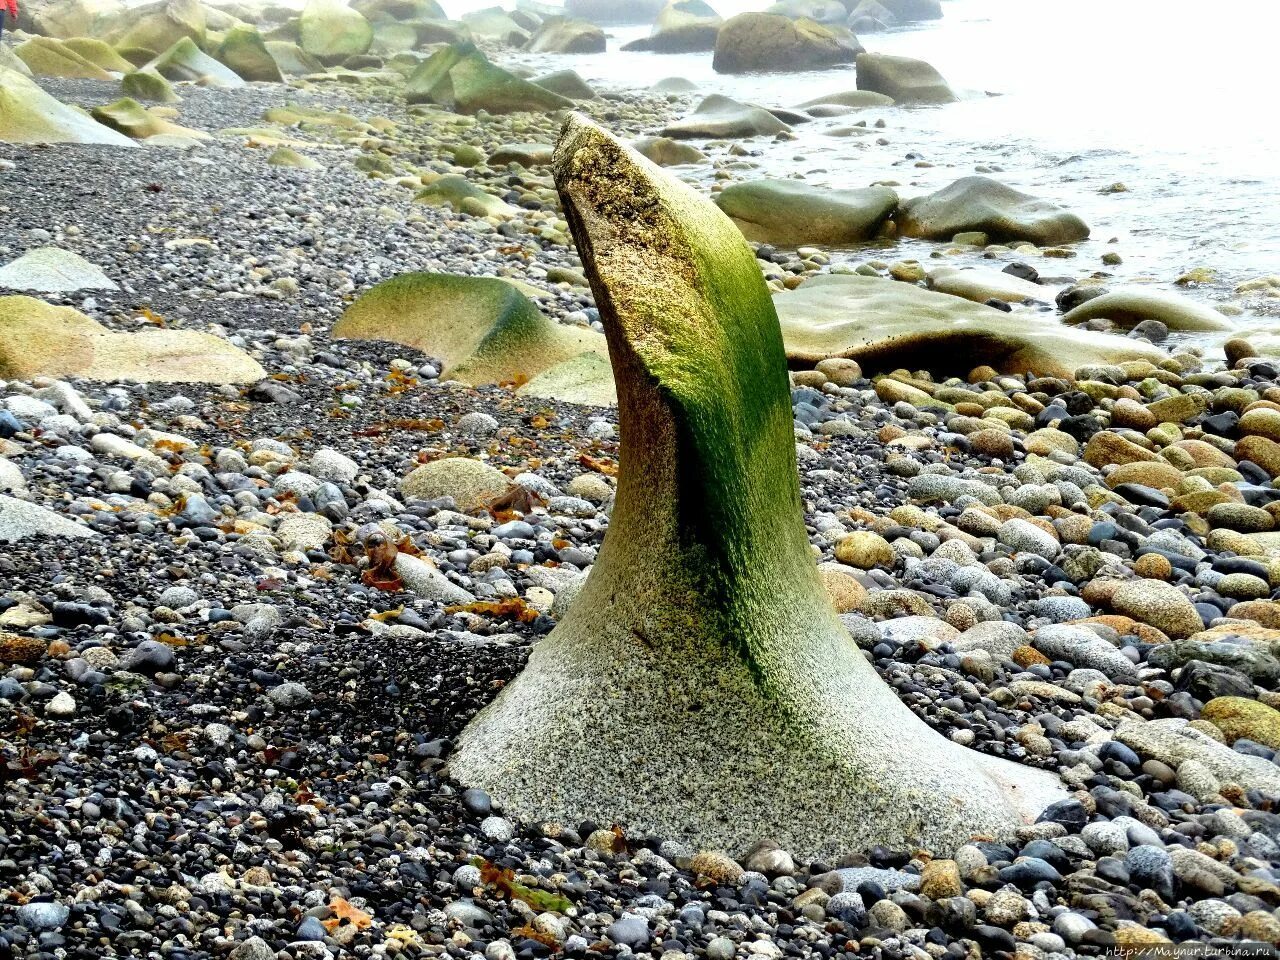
(222, 735)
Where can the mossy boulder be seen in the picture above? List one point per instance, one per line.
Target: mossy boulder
(45, 57)
(64, 19)
(1241, 719)
(147, 85)
(886, 325)
(461, 78)
(586, 379)
(29, 115)
(390, 38)
(99, 53)
(184, 61)
(567, 83)
(11, 61)
(904, 79)
(39, 340)
(494, 23)
(158, 26)
(138, 123)
(292, 60)
(287, 157)
(246, 53)
(566, 35)
(755, 42)
(666, 152)
(980, 204)
(720, 117)
(483, 329)
(382, 11)
(331, 31)
(1131, 305)
(461, 194)
(794, 213)
(683, 26)
(704, 616)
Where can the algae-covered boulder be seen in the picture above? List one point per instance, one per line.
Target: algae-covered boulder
(11, 61)
(704, 617)
(53, 270)
(457, 191)
(147, 85)
(494, 23)
(983, 205)
(666, 152)
(246, 53)
(752, 42)
(565, 35)
(483, 329)
(885, 325)
(1239, 718)
(614, 11)
(719, 117)
(568, 84)
(379, 11)
(99, 53)
(683, 26)
(904, 79)
(287, 157)
(158, 26)
(137, 122)
(793, 213)
(331, 31)
(586, 379)
(461, 78)
(184, 61)
(1132, 305)
(29, 115)
(39, 340)
(45, 57)
(64, 19)
(292, 59)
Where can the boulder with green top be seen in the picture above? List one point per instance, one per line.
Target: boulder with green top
(331, 31)
(148, 85)
(246, 53)
(99, 53)
(566, 35)
(666, 152)
(287, 157)
(292, 60)
(720, 117)
(885, 325)
(39, 340)
(184, 61)
(1242, 719)
(984, 205)
(158, 26)
(64, 19)
(461, 194)
(794, 213)
(138, 123)
(29, 115)
(461, 78)
(46, 57)
(756, 42)
(586, 379)
(904, 79)
(702, 649)
(483, 329)
(567, 83)
(1132, 305)
(494, 23)
(683, 26)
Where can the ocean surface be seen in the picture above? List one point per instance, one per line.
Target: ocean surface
(1062, 99)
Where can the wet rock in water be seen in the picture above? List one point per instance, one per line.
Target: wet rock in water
(459, 77)
(483, 328)
(561, 35)
(718, 117)
(982, 204)
(470, 483)
(29, 115)
(981, 285)
(331, 31)
(852, 99)
(666, 152)
(683, 26)
(884, 325)
(53, 270)
(1133, 305)
(752, 42)
(904, 79)
(792, 213)
(568, 84)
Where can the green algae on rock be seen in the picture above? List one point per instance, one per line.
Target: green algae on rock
(331, 31)
(29, 115)
(100, 53)
(135, 121)
(38, 340)
(245, 52)
(683, 26)
(980, 204)
(464, 196)
(794, 213)
(148, 85)
(460, 77)
(752, 42)
(885, 324)
(482, 328)
(185, 61)
(702, 651)
(52, 58)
